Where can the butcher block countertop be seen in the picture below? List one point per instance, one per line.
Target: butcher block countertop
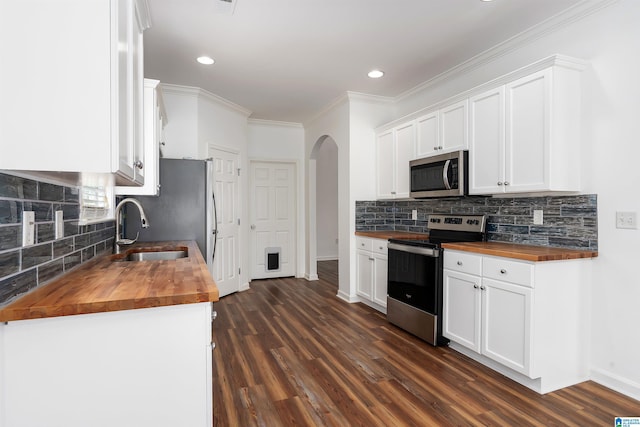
(523, 252)
(106, 284)
(386, 235)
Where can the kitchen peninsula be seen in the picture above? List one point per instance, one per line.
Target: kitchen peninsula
(113, 342)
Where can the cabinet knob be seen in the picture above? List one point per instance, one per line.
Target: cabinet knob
(482, 288)
(213, 346)
(408, 296)
(506, 183)
(475, 286)
(137, 164)
(499, 182)
(503, 271)
(371, 259)
(381, 247)
(435, 147)
(440, 147)
(459, 263)
(393, 192)
(214, 315)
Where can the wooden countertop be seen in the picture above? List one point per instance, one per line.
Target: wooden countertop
(386, 235)
(105, 284)
(523, 252)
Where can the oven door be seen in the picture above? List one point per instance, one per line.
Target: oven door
(414, 291)
(414, 276)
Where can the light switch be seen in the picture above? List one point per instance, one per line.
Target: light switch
(538, 217)
(59, 225)
(28, 228)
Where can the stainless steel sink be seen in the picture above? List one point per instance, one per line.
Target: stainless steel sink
(155, 256)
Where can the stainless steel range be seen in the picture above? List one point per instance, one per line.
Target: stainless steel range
(414, 287)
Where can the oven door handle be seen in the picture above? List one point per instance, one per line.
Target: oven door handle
(434, 253)
(445, 175)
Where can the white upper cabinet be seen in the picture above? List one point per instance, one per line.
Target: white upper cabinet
(443, 131)
(394, 149)
(525, 135)
(71, 90)
(155, 119)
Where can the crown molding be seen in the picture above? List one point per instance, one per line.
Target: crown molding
(573, 14)
(274, 123)
(201, 93)
(373, 99)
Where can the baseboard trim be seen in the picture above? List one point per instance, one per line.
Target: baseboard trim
(616, 382)
(244, 287)
(348, 298)
(311, 277)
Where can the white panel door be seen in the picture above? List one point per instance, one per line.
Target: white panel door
(226, 264)
(272, 214)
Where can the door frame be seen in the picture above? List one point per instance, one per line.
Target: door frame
(296, 222)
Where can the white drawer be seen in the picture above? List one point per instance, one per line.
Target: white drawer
(379, 246)
(463, 262)
(364, 243)
(517, 272)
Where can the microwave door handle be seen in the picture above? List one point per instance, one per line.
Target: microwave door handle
(445, 175)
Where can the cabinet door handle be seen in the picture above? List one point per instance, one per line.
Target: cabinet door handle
(137, 164)
(440, 147)
(506, 183)
(408, 296)
(213, 346)
(393, 192)
(435, 147)
(475, 286)
(381, 247)
(503, 271)
(459, 263)
(499, 182)
(214, 315)
(371, 259)
(482, 288)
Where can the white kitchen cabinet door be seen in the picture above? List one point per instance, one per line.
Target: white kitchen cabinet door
(394, 149)
(154, 120)
(506, 324)
(364, 272)
(88, 106)
(385, 169)
(381, 264)
(486, 145)
(453, 127)
(404, 152)
(528, 106)
(461, 309)
(427, 140)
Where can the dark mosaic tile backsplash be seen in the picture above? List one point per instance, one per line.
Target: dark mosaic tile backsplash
(569, 221)
(25, 268)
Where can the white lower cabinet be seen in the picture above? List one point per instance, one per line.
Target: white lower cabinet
(371, 271)
(130, 368)
(523, 319)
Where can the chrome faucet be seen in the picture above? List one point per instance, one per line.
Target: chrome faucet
(119, 240)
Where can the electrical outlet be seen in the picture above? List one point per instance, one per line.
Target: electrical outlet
(28, 228)
(626, 220)
(59, 225)
(414, 214)
(538, 216)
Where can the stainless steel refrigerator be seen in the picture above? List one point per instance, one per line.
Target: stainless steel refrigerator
(184, 209)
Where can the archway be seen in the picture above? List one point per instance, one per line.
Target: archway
(323, 227)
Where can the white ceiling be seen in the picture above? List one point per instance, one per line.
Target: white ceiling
(287, 59)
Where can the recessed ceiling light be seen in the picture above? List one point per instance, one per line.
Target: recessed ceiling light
(375, 74)
(205, 60)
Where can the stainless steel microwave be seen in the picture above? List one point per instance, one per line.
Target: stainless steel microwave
(444, 175)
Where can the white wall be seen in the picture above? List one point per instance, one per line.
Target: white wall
(283, 142)
(327, 201)
(609, 40)
(181, 131)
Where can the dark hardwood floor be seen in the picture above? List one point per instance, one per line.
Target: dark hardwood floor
(290, 353)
